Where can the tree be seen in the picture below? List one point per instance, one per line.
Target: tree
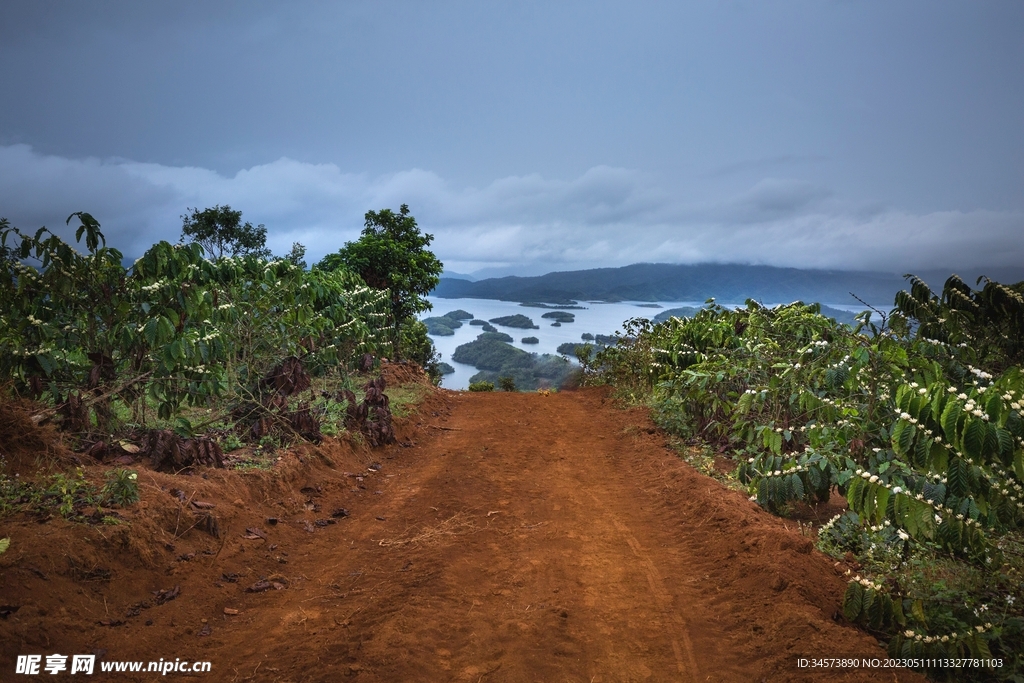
(220, 232)
(392, 254)
(297, 255)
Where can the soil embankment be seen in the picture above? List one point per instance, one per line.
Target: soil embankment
(508, 537)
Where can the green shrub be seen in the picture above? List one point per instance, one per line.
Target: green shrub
(122, 487)
(507, 383)
(481, 386)
(916, 421)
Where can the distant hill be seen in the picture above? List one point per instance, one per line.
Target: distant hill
(452, 275)
(728, 283)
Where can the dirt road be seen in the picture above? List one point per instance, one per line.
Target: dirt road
(511, 537)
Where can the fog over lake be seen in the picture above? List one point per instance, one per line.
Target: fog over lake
(595, 318)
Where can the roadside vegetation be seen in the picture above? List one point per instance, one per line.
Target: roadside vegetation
(912, 417)
(209, 352)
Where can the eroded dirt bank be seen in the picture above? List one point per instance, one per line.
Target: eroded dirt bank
(509, 537)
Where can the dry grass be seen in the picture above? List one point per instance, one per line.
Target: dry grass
(455, 525)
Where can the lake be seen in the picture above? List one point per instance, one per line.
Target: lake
(595, 318)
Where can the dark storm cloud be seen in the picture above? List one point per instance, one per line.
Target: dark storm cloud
(858, 135)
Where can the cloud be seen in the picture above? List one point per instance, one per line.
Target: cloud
(606, 216)
(765, 163)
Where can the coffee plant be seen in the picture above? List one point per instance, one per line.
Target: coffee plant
(174, 330)
(914, 416)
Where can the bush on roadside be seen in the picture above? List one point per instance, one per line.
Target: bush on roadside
(916, 419)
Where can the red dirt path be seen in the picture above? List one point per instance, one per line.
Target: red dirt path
(511, 537)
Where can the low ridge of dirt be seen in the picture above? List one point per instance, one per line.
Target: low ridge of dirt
(505, 537)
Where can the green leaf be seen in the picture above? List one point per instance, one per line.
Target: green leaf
(974, 438)
(956, 477)
(906, 438)
(46, 363)
(853, 492)
(917, 609)
(950, 417)
(165, 329)
(994, 408)
(853, 601)
(926, 520)
(922, 452)
(869, 501)
(881, 502)
(991, 440)
(897, 612)
(183, 427)
(797, 486)
(5, 543)
(150, 331)
(939, 457)
(900, 518)
(1005, 440)
(871, 607)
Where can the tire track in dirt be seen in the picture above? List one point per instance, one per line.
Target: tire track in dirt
(665, 600)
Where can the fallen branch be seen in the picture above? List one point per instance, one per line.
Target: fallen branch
(89, 399)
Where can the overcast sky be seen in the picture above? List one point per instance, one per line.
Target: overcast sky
(531, 136)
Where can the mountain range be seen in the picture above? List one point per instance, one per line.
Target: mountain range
(727, 283)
